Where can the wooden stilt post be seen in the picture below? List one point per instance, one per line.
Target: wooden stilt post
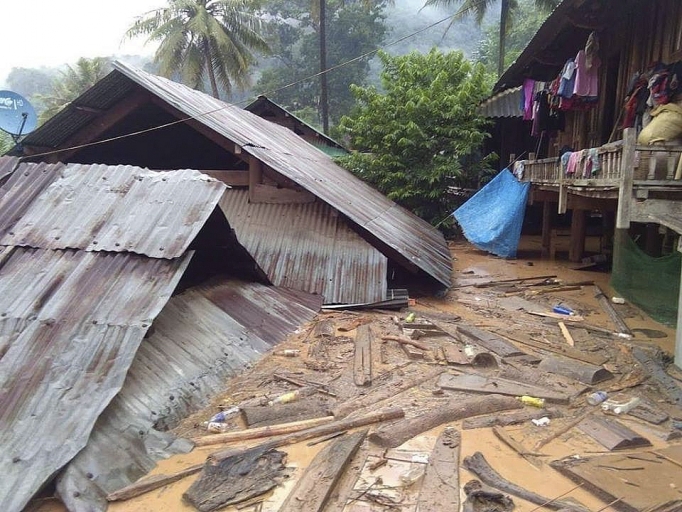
(546, 228)
(626, 179)
(578, 222)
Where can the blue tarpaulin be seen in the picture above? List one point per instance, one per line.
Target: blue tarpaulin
(492, 218)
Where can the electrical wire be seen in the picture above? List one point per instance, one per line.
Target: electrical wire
(227, 105)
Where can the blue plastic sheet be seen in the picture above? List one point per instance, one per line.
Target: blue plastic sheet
(492, 218)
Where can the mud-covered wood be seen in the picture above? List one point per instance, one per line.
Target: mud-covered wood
(384, 392)
(440, 487)
(667, 385)
(479, 466)
(482, 498)
(282, 413)
(150, 483)
(649, 412)
(511, 418)
(454, 354)
(344, 487)
(238, 478)
(490, 341)
(475, 383)
(566, 351)
(582, 372)
(313, 489)
(611, 311)
(612, 434)
(396, 433)
(362, 361)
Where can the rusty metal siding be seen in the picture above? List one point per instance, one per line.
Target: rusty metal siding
(308, 247)
(76, 336)
(106, 208)
(286, 153)
(201, 338)
(503, 104)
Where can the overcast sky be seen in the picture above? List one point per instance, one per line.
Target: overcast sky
(53, 32)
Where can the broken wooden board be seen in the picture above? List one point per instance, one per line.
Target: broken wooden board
(475, 383)
(412, 352)
(344, 487)
(396, 433)
(477, 464)
(313, 489)
(567, 351)
(649, 412)
(283, 413)
(440, 487)
(235, 479)
(655, 483)
(608, 308)
(558, 316)
(362, 362)
(490, 341)
(611, 434)
(667, 385)
(582, 372)
(454, 354)
(510, 418)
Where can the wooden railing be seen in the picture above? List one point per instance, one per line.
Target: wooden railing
(660, 163)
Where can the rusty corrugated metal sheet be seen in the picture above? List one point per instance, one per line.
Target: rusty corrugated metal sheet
(71, 322)
(407, 237)
(105, 208)
(7, 165)
(201, 338)
(308, 247)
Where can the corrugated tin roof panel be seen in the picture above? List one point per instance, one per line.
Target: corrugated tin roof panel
(69, 341)
(504, 104)
(288, 154)
(198, 342)
(106, 208)
(307, 247)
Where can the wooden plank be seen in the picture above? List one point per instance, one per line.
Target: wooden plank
(558, 316)
(475, 383)
(566, 334)
(582, 372)
(396, 433)
(440, 488)
(362, 361)
(255, 177)
(608, 308)
(612, 434)
(344, 487)
(151, 483)
(282, 413)
(504, 436)
(512, 418)
(313, 489)
(624, 207)
(665, 383)
(390, 390)
(406, 341)
(595, 359)
(275, 195)
(232, 178)
(454, 354)
(490, 341)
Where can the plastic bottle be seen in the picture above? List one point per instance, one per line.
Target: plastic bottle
(412, 475)
(562, 310)
(541, 422)
(410, 318)
(288, 352)
(597, 397)
(225, 415)
(292, 396)
(216, 426)
(532, 401)
(620, 407)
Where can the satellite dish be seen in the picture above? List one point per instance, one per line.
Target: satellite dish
(17, 116)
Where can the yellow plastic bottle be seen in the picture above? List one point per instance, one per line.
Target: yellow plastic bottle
(532, 401)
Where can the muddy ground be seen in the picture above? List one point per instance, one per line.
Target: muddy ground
(327, 362)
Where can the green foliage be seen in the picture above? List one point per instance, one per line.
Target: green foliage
(6, 142)
(526, 22)
(423, 133)
(353, 29)
(214, 39)
(71, 83)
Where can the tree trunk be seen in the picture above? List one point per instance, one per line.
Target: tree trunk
(504, 14)
(211, 71)
(324, 104)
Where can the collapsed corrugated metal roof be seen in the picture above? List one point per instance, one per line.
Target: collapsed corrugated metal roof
(307, 247)
(71, 324)
(401, 235)
(202, 337)
(73, 311)
(105, 208)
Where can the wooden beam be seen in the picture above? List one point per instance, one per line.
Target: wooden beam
(440, 488)
(231, 178)
(94, 130)
(577, 242)
(255, 177)
(362, 364)
(627, 175)
(268, 194)
(546, 228)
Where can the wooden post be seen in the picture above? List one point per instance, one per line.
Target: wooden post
(255, 176)
(578, 222)
(546, 228)
(626, 179)
(678, 332)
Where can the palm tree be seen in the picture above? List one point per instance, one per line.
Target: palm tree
(71, 83)
(199, 38)
(479, 8)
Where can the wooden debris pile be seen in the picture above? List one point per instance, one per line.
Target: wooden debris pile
(361, 387)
